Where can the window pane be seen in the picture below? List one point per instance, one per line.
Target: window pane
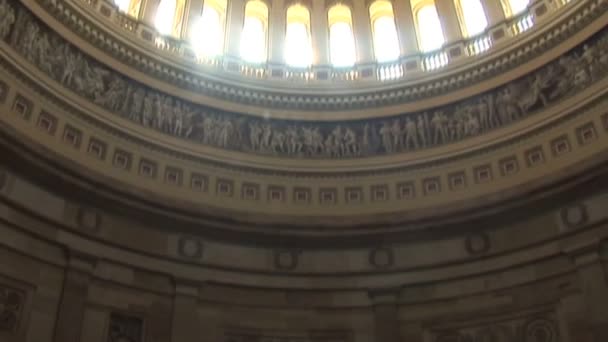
(122, 5)
(518, 6)
(253, 40)
(342, 45)
(474, 16)
(431, 35)
(386, 42)
(209, 35)
(298, 51)
(164, 16)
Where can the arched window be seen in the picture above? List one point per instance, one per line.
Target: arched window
(386, 41)
(472, 17)
(514, 7)
(169, 17)
(298, 46)
(341, 38)
(130, 7)
(430, 34)
(208, 36)
(255, 28)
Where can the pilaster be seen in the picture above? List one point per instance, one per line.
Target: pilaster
(385, 315)
(592, 277)
(363, 33)
(495, 13)
(234, 26)
(195, 9)
(446, 10)
(149, 12)
(320, 33)
(406, 27)
(73, 298)
(186, 324)
(276, 26)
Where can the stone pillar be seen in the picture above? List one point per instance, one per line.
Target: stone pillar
(149, 13)
(446, 10)
(320, 32)
(495, 13)
(277, 23)
(595, 291)
(406, 27)
(195, 9)
(74, 296)
(186, 324)
(235, 19)
(385, 315)
(363, 33)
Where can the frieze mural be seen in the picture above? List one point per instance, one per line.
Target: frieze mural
(541, 328)
(239, 335)
(408, 132)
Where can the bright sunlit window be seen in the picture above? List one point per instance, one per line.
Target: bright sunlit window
(473, 17)
(208, 37)
(298, 47)
(386, 41)
(253, 37)
(123, 5)
(165, 15)
(518, 6)
(341, 39)
(430, 33)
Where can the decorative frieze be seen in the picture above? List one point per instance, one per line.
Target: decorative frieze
(286, 336)
(352, 139)
(535, 328)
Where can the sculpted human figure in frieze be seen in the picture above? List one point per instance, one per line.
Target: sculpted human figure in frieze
(283, 138)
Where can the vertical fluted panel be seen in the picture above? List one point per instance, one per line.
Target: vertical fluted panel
(149, 13)
(277, 31)
(319, 25)
(195, 9)
(446, 9)
(406, 28)
(495, 13)
(363, 33)
(235, 17)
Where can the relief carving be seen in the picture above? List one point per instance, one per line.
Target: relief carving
(412, 131)
(526, 329)
(286, 336)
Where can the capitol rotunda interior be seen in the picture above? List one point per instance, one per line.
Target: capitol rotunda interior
(303, 170)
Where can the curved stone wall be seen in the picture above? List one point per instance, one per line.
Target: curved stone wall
(73, 271)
